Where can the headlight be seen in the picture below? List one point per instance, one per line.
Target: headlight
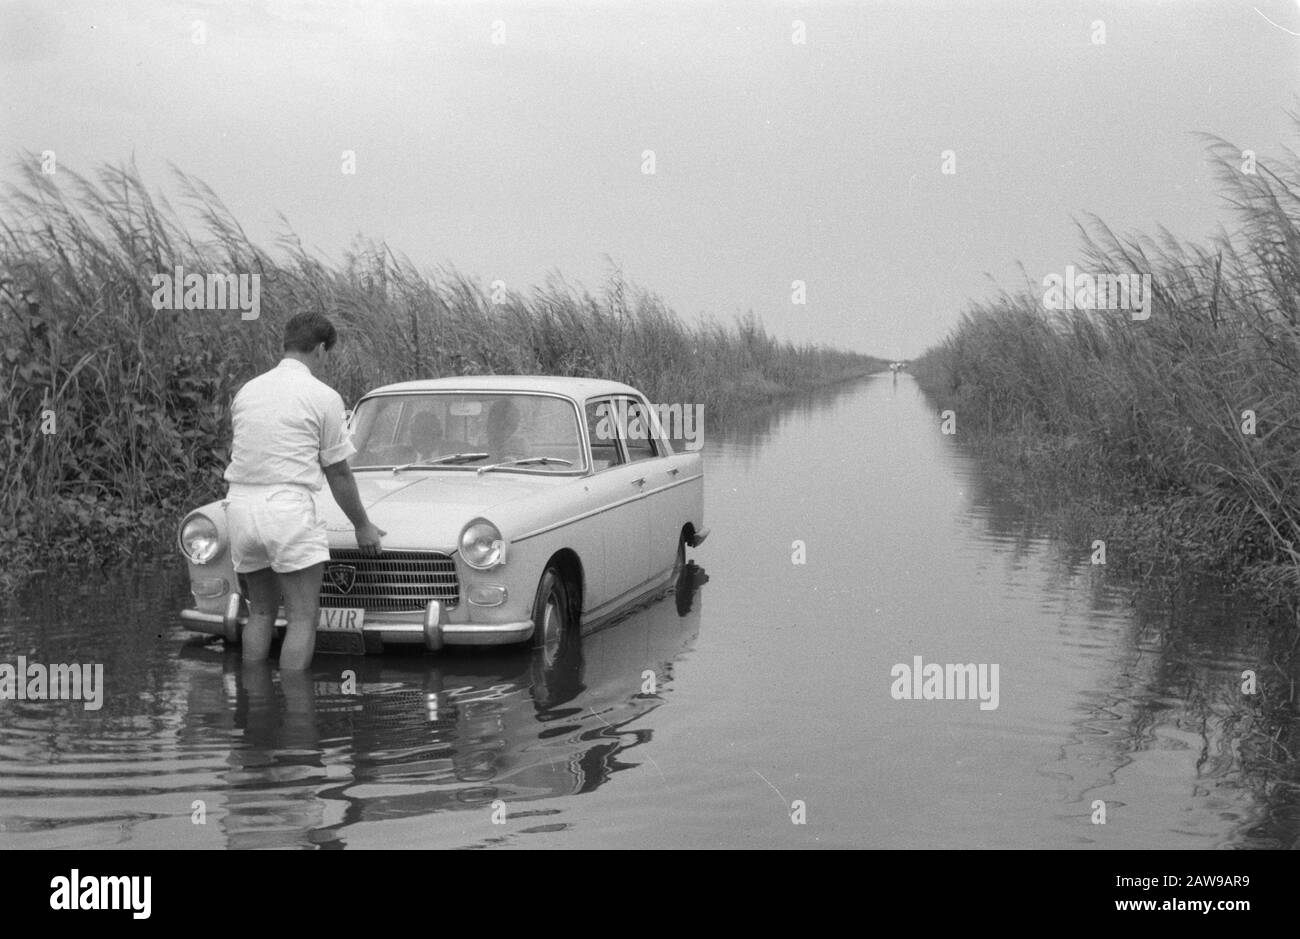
(200, 540)
(481, 545)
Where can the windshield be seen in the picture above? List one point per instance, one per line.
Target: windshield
(412, 429)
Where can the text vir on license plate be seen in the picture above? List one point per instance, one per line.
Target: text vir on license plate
(346, 621)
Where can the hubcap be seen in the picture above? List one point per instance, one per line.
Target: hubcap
(552, 629)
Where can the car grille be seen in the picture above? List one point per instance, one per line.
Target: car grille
(394, 581)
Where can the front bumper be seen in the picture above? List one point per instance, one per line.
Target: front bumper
(430, 629)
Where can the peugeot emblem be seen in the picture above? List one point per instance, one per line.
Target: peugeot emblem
(342, 576)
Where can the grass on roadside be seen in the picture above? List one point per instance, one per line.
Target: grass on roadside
(1187, 423)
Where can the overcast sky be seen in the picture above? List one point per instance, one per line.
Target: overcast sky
(775, 160)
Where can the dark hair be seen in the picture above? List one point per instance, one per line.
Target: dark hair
(305, 331)
(503, 419)
(425, 426)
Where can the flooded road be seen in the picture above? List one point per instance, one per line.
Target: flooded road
(759, 705)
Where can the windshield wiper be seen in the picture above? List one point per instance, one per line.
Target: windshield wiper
(523, 460)
(451, 458)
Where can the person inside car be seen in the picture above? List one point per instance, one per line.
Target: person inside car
(502, 441)
(425, 436)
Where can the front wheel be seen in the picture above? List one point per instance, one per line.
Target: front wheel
(556, 642)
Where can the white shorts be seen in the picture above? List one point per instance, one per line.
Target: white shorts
(274, 526)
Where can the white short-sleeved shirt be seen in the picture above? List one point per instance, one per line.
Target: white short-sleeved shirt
(287, 426)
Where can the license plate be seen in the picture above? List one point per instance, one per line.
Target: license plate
(341, 620)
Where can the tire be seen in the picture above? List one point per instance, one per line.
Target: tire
(679, 562)
(557, 652)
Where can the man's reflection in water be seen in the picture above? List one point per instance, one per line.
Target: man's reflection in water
(272, 800)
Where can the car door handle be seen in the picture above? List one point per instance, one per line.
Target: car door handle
(639, 481)
(674, 471)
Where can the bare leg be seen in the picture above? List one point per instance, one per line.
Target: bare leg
(299, 717)
(302, 607)
(263, 602)
(260, 713)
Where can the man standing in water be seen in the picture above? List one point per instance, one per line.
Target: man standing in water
(289, 438)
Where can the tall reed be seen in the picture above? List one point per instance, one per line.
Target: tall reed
(137, 397)
(1158, 408)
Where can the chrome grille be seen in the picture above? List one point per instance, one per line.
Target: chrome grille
(394, 581)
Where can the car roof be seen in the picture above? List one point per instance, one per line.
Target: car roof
(578, 388)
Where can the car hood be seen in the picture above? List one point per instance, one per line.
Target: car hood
(420, 509)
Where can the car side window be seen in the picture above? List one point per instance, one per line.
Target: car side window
(638, 433)
(602, 428)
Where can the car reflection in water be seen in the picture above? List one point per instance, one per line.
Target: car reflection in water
(417, 734)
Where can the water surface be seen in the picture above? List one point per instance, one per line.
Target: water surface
(848, 536)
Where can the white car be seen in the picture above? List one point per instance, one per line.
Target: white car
(517, 509)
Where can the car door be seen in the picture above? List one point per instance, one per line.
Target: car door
(617, 485)
(672, 480)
